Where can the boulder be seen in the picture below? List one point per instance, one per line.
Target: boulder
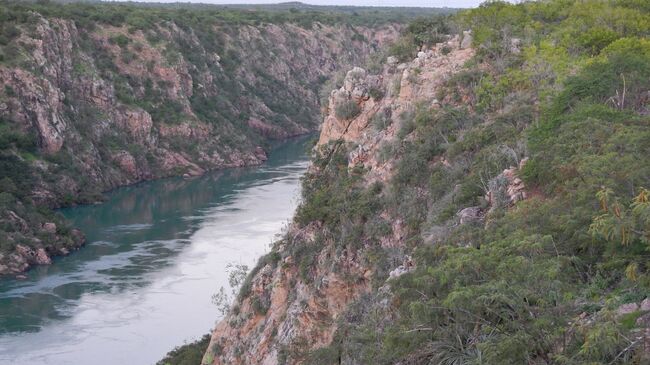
(507, 188)
(78, 237)
(260, 154)
(49, 227)
(33, 256)
(515, 45)
(353, 78)
(127, 163)
(466, 42)
(627, 308)
(42, 258)
(645, 305)
(406, 266)
(470, 214)
(643, 321)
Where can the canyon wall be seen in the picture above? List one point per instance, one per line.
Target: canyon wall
(298, 294)
(90, 106)
(482, 199)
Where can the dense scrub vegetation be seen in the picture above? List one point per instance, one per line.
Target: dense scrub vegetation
(565, 84)
(188, 354)
(420, 32)
(143, 16)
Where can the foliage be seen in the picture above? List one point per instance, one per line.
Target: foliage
(144, 16)
(347, 110)
(237, 274)
(114, 39)
(188, 354)
(420, 32)
(538, 282)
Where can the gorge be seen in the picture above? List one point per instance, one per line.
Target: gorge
(156, 252)
(101, 96)
(477, 193)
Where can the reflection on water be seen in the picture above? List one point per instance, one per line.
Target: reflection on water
(155, 254)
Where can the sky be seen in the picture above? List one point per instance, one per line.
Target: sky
(422, 3)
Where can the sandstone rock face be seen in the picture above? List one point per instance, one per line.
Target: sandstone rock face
(404, 86)
(74, 107)
(300, 313)
(38, 104)
(39, 251)
(137, 123)
(105, 113)
(127, 163)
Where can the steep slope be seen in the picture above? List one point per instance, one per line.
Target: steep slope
(94, 99)
(483, 203)
(297, 294)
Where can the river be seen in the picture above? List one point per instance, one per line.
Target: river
(156, 253)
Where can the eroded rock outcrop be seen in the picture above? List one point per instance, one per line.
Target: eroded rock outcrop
(108, 105)
(289, 308)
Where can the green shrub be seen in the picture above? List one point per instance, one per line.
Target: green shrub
(376, 93)
(404, 49)
(260, 305)
(382, 119)
(16, 173)
(510, 288)
(188, 354)
(121, 40)
(347, 110)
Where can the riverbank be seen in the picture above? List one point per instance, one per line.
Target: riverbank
(156, 253)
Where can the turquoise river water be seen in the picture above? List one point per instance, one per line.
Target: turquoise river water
(156, 253)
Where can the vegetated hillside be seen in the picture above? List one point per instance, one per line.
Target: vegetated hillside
(483, 203)
(362, 14)
(98, 96)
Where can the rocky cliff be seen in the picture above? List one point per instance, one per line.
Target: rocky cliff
(89, 105)
(298, 294)
(485, 202)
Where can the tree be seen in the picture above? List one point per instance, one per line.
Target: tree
(622, 224)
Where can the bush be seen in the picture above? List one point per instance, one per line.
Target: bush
(382, 119)
(404, 49)
(508, 289)
(376, 93)
(421, 32)
(347, 110)
(120, 39)
(15, 171)
(189, 354)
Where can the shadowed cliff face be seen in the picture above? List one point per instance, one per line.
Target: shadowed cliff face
(93, 107)
(299, 292)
